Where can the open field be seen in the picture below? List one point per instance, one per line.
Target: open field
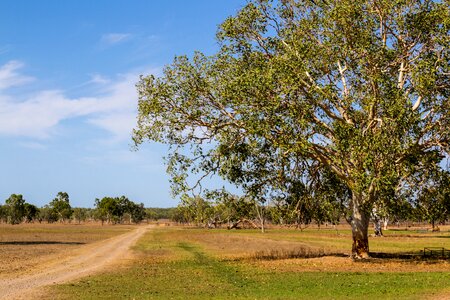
(85, 261)
(186, 263)
(28, 248)
(171, 262)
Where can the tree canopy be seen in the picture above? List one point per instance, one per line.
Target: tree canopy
(113, 210)
(15, 206)
(60, 207)
(358, 87)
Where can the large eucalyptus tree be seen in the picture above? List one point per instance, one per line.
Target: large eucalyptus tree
(360, 87)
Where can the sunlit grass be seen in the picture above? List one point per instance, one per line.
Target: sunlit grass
(218, 264)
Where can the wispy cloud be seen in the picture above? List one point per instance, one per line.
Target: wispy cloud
(119, 124)
(33, 145)
(38, 114)
(114, 38)
(99, 79)
(5, 49)
(113, 108)
(9, 75)
(142, 159)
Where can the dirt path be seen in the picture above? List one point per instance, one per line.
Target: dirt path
(87, 260)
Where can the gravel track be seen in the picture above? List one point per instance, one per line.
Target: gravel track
(87, 260)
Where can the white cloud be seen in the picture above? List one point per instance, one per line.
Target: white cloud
(38, 116)
(120, 124)
(99, 79)
(114, 38)
(9, 76)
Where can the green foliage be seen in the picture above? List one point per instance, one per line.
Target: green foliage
(217, 209)
(358, 87)
(31, 212)
(157, 213)
(3, 214)
(47, 214)
(197, 210)
(114, 209)
(433, 199)
(60, 207)
(232, 209)
(137, 212)
(107, 209)
(15, 208)
(318, 195)
(81, 214)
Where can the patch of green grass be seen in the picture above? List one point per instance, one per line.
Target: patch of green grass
(338, 241)
(392, 242)
(172, 265)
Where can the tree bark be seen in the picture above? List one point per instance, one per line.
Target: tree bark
(376, 222)
(432, 225)
(360, 226)
(385, 223)
(261, 216)
(377, 227)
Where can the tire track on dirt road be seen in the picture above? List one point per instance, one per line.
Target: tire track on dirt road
(88, 260)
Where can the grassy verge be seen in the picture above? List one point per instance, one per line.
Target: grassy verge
(186, 264)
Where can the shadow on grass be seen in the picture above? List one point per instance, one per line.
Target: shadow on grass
(400, 255)
(304, 253)
(276, 254)
(416, 236)
(381, 257)
(24, 243)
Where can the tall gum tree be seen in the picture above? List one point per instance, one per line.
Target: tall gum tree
(360, 87)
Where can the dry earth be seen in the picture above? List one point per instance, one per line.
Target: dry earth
(83, 261)
(30, 248)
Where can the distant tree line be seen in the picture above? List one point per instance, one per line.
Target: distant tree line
(111, 210)
(321, 199)
(241, 212)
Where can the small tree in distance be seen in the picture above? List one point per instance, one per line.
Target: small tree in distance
(31, 212)
(15, 208)
(113, 209)
(80, 214)
(60, 206)
(433, 199)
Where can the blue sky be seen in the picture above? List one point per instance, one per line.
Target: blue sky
(67, 96)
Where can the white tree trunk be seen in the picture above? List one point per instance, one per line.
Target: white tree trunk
(360, 226)
(385, 223)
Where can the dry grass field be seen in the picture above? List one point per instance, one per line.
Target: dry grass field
(28, 248)
(188, 263)
(171, 262)
(313, 249)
